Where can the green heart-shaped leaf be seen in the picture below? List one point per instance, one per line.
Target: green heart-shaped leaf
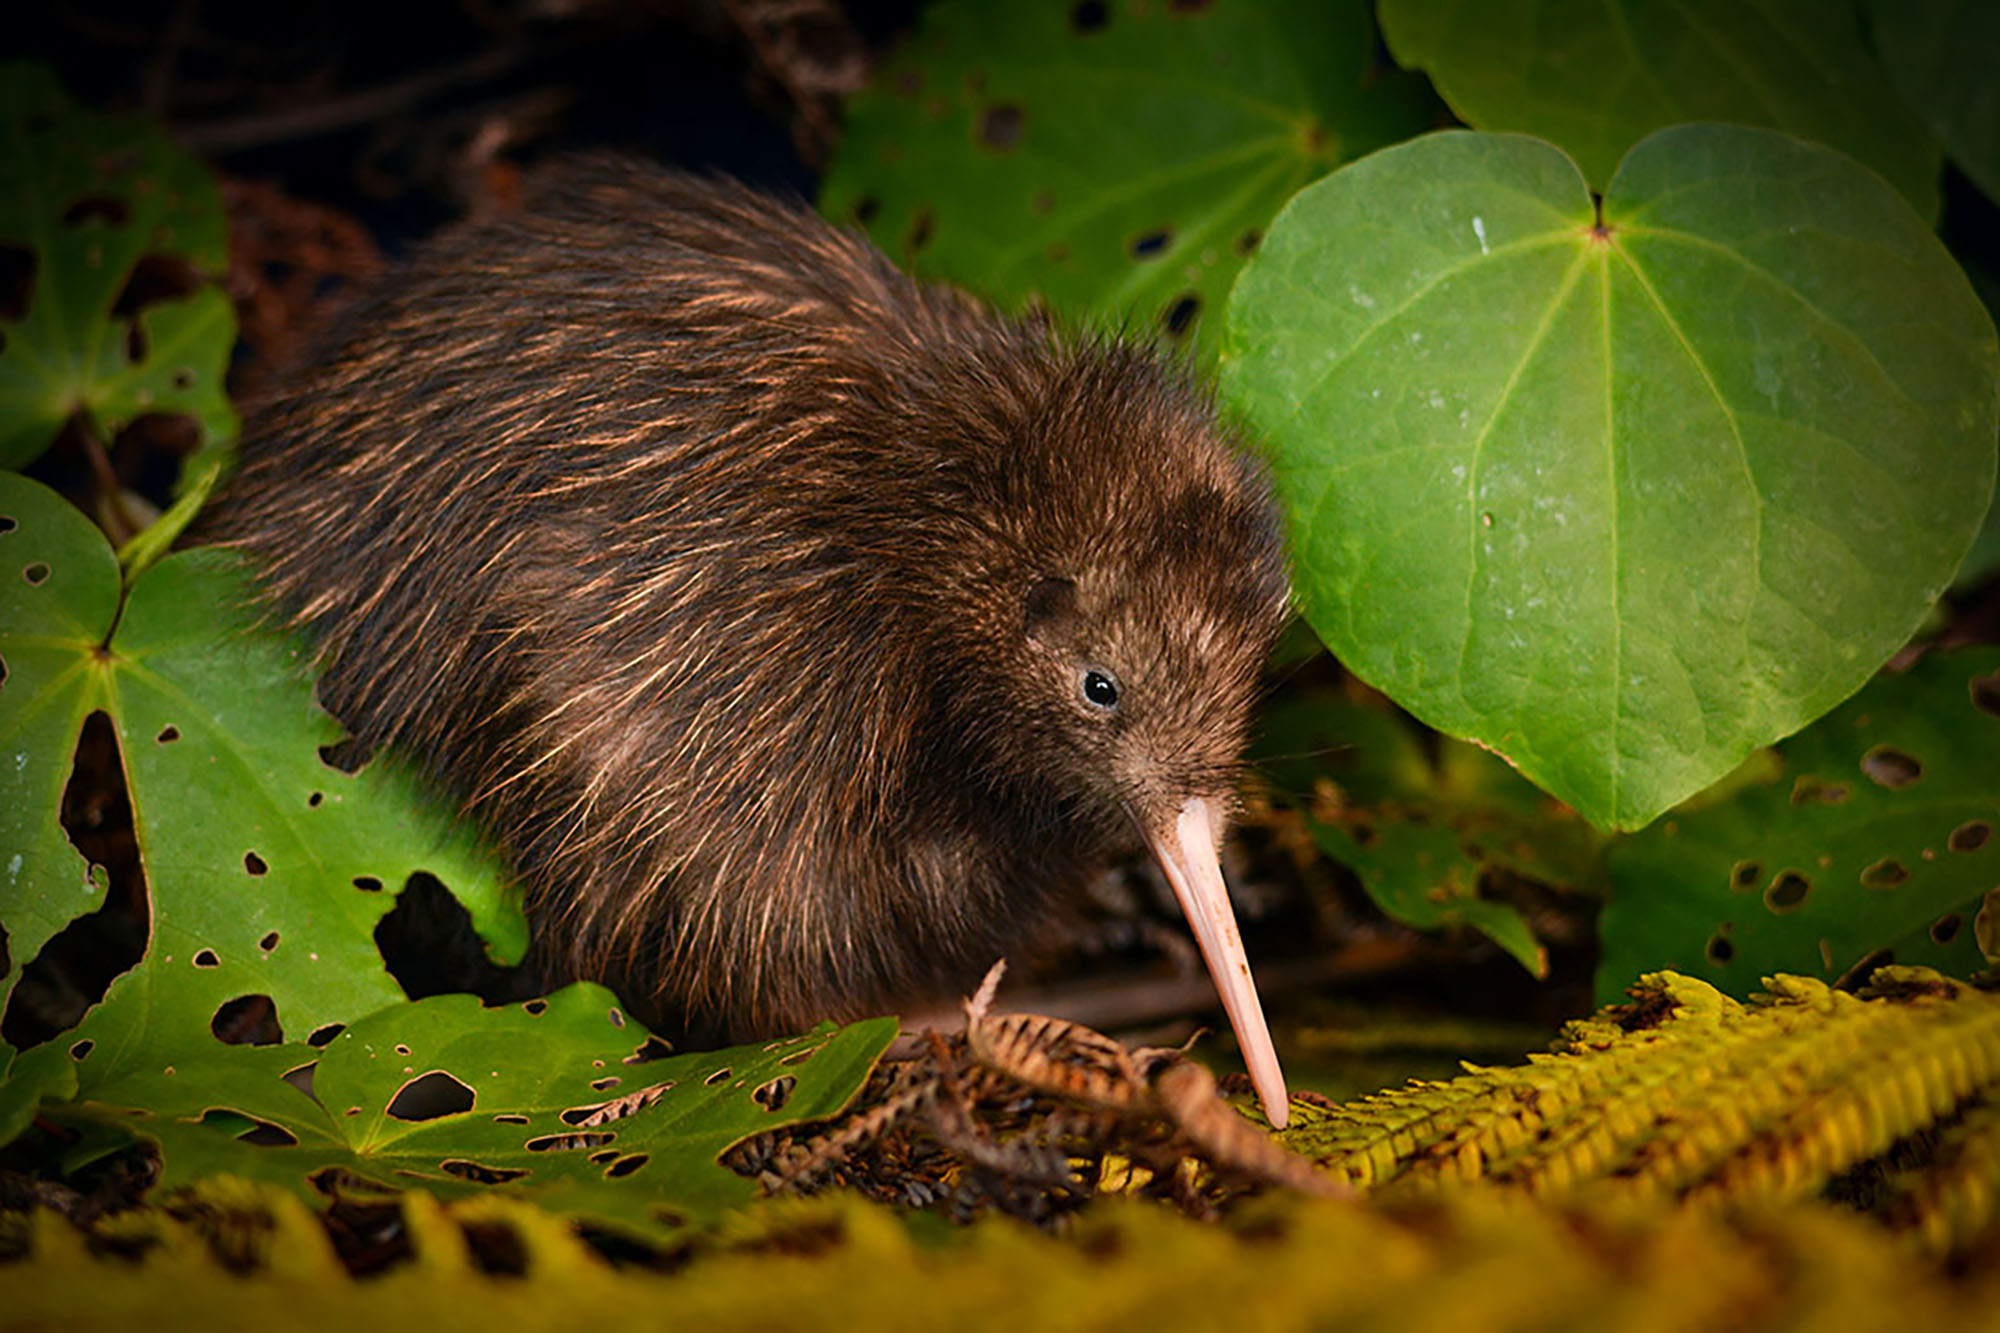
(1621, 497)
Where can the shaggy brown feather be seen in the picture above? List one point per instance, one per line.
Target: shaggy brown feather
(743, 588)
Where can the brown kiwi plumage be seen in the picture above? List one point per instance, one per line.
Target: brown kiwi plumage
(803, 633)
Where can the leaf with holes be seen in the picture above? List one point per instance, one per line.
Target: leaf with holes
(1425, 834)
(1941, 55)
(1597, 76)
(1881, 831)
(118, 230)
(1619, 501)
(266, 869)
(562, 1098)
(1117, 160)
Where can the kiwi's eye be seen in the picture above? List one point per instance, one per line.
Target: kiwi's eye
(1100, 689)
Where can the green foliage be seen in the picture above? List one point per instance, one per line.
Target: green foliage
(267, 870)
(1941, 55)
(1597, 76)
(1116, 160)
(1620, 502)
(1422, 833)
(89, 197)
(1877, 831)
(559, 1099)
(1660, 1169)
(1687, 1097)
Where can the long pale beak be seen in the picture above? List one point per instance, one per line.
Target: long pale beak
(1186, 850)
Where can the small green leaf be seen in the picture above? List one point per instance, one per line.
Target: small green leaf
(1621, 503)
(559, 1098)
(1422, 833)
(1117, 160)
(27, 1079)
(1880, 830)
(1597, 76)
(1941, 55)
(89, 197)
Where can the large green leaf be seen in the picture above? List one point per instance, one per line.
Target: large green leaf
(1942, 56)
(561, 1098)
(1597, 76)
(1117, 159)
(87, 197)
(1623, 501)
(266, 869)
(1878, 831)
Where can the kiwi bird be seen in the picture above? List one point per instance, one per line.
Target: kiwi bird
(804, 634)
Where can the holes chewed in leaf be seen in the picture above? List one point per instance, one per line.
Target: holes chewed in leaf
(1719, 950)
(773, 1095)
(254, 864)
(479, 1173)
(367, 883)
(1970, 836)
(569, 1142)
(1945, 929)
(349, 756)
(1887, 873)
(603, 1113)
(800, 1057)
(1179, 317)
(264, 1134)
(605, 1084)
(653, 1048)
(535, 1007)
(247, 1020)
(312, 801)
(168, 734)
(1000, 127)
(607, 1155)
(269, 942)
(866, 208)
(510, 1118)
(35, 574)
(921, 228)
(17, 284)
(1809, 790)
(1745, 876)
(101, 209)
(321, 1036)
(1985, 692)
(625, 1166)
(1247, 243)
(81, 1050)
(719, 1076)
(1089, 16)
(429, 1096)
(1889, 767)
(1788, 892)
(207, 958)
(1151, 244)
(156, 279)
